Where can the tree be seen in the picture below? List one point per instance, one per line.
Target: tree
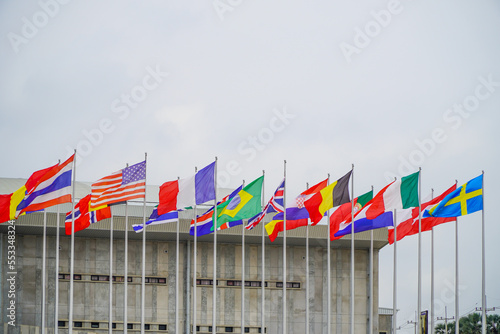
(471, 324)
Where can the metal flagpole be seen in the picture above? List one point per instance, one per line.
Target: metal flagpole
(370, 312)
(457, 300)
(177, 277)
(56, 307)
(352, 252)
(284, 253)
(419, 302)
(263, 256)
(395, 276)
(307, 274)
(195, 253)
(143, 282)
(110, 323)
(483, 273)
(72, 258)
(243, 274)
(44, 255)
(432, 273)
(214, 298)
(125, 281)
(187, 323)
(328, 277)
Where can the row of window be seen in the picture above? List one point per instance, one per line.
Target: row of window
(163, 280)
(105, 278)
(256, 284)
(79, 324)
(228, 329)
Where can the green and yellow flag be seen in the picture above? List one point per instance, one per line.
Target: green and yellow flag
(244, 205)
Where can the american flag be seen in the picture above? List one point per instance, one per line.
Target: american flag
(275, 204)
(126, 184)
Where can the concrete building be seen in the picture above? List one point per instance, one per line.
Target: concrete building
(91, 276)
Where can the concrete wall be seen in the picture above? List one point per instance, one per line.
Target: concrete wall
(91, 297)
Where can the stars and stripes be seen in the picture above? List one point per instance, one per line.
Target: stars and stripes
(126, 184)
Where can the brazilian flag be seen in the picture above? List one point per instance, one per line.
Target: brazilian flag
(244, 205)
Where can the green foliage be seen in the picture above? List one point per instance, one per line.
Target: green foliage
(471, 324)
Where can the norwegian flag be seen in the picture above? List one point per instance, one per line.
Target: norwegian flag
(275, 204)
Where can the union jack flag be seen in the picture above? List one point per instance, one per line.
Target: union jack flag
(275, 204)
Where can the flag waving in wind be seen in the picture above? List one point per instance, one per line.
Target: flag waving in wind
(48, 187)
(275, 204)
(466, 199)
(84, 217)
(331, 196)
(126, 184)
(183, 193)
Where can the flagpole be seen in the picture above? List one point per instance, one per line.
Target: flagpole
(110, 322)
(72, 258)
(352, 252)
(395, 275)
(284, 253)
(432, 273)
(195, 252)
(419, 302)
(457, 300)
(177, 275)
(143, 282)
(243, 274)
(125, 282)
(328, 277)
(483, 272)
(56, 307)
(44, 245)
(214, 298)
(370, 312)
(263, 256)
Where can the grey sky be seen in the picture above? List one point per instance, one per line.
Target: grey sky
(262, 82)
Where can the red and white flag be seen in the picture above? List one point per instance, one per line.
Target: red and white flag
(126, 184)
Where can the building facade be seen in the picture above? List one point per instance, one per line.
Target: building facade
(92, 278)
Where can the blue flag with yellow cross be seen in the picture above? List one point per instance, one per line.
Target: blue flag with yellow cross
(463, 201)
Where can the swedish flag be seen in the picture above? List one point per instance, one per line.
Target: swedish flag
(466, 199)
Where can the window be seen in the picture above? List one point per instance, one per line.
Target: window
(260, 330)
(289, 285)
(229, 329)
(197, 328)
(78, 324)
(77, 277)
(113, 325)
(205, 282)
(279, 284)
(247, 329)
(147, 327)
(94, 325)
(130, 326)
(209, 328)
(162, 327)
(101, 278)
(157, 280)
(61, 324)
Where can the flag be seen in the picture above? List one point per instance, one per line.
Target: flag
(84, 217)
(48, 187)
(377, 213)
(407, 220)
(156, 219)
(179, 194)
(275, 204)
(296, 213)
(463, 201)
(400, 194)
(9, 203)
(126, 184)
(204, 222)
(331, 196)
(344, 214)
(244, 205)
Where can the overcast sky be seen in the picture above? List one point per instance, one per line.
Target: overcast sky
(388, 86)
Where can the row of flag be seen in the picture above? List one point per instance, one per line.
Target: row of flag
(53, 185)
